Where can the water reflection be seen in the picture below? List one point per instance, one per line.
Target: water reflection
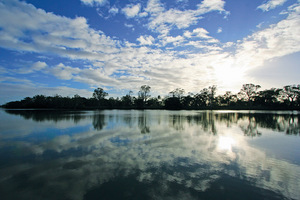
(48, 115)
(250, 127)
(143, 123)
(98, 121)
(249, 122)
(206, 120)
(225, 143)
(147, 155)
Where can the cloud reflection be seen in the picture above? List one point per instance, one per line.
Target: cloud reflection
(184, 154)
(225, 143)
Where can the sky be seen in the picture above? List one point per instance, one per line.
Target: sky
(69, 47)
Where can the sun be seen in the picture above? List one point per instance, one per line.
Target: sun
(229, 76)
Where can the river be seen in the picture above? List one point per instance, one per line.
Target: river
(150, 154)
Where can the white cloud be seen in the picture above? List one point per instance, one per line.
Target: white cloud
(187, 34)
(201, 32)
(35, 67)
(162, 20)
(271, 4)
(184, 1)
(181, 19)
(259, 25)
(154, 7)
(147, 40)
(276, 41)
(198, 32)
(98, 77)
(94, 2)
(74, 39)
(143, 14)
(113, 10)
(174, 40)
(94, 76)
(211, 5)
(63, 72)
(128, 25)
(131, 10)
(13, 80)
(23, 27)
(219, 30)
(39, 66)
(204, 45)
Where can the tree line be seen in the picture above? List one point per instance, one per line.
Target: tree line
(249, 97)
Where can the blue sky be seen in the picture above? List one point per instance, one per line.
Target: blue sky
(72, 47)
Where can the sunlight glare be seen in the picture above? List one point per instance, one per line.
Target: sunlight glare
(225, 143)
(229, 76)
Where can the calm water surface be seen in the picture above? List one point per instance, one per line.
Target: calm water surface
(133, 154)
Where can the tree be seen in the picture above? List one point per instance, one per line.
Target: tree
(268, 97)
(40, 101)
(212, 93)
(248, 92)
(291, 93)
(153, 103)
(99, 94)
(187, 101)
(226, 99)
(173, 102)
(127, 100)
(178, 92)
(78, 101)
(144, 93)
(287, 97)
(202, 98)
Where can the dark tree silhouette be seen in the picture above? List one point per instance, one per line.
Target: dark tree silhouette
(127, 100)
(178, 92)
(173, 102)
(99, 94)
(144, 93)
(227, 99)
(291, 93)
(187, 101)
(154, 102)
(286, 98)
(212, 93)
(248, 92)
(268, 97)
(202, 98)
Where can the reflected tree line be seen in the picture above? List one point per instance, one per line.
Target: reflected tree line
(249, 97)
(249, 123)
(48, 115)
